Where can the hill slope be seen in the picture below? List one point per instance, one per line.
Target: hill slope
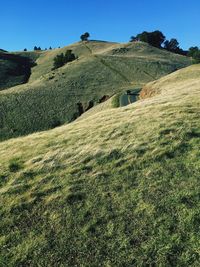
(52, 98)
(14, 69)
(115, 188)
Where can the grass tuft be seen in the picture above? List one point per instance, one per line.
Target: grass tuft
(15, 165)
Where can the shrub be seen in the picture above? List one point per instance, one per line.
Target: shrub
(116, 101)
(194, 52)
(196, 57)
(58, 61)
(69, 56)
(62, 59)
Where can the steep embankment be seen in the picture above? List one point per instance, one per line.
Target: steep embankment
(15, 69)
(52, 98)
(115, 188)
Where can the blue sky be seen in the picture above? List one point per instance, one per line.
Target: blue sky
(26, 23)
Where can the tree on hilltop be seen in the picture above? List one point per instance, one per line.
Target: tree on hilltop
(37, 48)
(85, 36)
(172, 45)
(133, 39)
(155, 38)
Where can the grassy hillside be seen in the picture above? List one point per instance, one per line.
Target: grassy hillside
(52, 98)
(118, 187)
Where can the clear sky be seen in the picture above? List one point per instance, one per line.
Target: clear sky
(26, 23)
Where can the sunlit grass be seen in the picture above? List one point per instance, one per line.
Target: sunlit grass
(116, 188)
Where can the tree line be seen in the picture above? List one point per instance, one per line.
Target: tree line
(158, 39)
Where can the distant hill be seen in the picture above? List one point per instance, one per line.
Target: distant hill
(118, 187)
(52, 98)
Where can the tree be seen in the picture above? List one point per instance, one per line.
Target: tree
(37, 48)
(196, 57)
(69, 56)
(143, 37)
(58, 61)
(85, 36)
(194, 52)
(25, 49)
(50, 48)
(172, 45)
(155, 38)
(133, 39)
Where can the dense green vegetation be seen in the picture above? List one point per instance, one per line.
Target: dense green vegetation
(158, 39)
(14, 69)
(119, 187)
(194, 52)
(62, 59)
(85, 36)
(52, 98)
(155, 38)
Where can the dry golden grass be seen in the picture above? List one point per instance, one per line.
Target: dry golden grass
(175, 89)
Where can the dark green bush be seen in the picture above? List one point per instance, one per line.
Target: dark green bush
(85, 36)
(15, 165)
(194, 52)
(155, 38)
(62, 59)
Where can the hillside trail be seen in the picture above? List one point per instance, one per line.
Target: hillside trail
(126, 79)
(106, 64)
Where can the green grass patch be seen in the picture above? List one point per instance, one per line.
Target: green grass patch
(15, 165)
(116, 101)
